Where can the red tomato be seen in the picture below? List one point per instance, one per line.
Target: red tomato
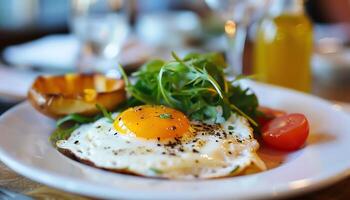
(269, 114)
(287, 132)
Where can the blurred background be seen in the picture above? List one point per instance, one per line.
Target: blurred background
(299, 44)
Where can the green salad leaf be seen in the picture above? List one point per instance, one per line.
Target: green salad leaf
(196, 85)
(155, 170)
(75, 118)
(67, 125)
(62, 133)
(105, 113)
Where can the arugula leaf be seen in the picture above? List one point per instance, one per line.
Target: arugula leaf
(155, 170)
(63, 131)
(105, 113)
(234, 170)
(196, 85)
(75, 118)
(62, 134)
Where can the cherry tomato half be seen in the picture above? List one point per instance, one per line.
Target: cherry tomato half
(269, 114)
(287, 132)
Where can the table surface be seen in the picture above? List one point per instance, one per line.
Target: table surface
(12, 181)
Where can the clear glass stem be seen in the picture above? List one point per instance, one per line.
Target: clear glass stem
(235, 50)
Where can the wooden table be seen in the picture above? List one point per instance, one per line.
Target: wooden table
(12, 181)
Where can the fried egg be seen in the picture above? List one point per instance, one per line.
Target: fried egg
(157, 141)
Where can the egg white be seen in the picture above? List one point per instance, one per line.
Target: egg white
(208, 151)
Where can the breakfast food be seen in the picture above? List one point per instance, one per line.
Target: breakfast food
(58, 96)
(182, 120)
(287, 132)
(157, 141)
(281, 130)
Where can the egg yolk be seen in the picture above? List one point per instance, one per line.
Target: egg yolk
(152, 122)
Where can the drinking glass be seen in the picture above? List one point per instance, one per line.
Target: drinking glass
(238, 14)
(102, 28)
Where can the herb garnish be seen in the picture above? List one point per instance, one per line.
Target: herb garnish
(75, 118)
(79, 119)
(155, 170)
(67, 124)
(196, 85)
(165, 116)
(62, 133)
(105, 113)
(234, 170)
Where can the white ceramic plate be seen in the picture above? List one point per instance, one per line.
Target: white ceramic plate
(324, 160)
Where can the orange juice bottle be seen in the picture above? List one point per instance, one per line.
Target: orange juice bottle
(283, 46)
